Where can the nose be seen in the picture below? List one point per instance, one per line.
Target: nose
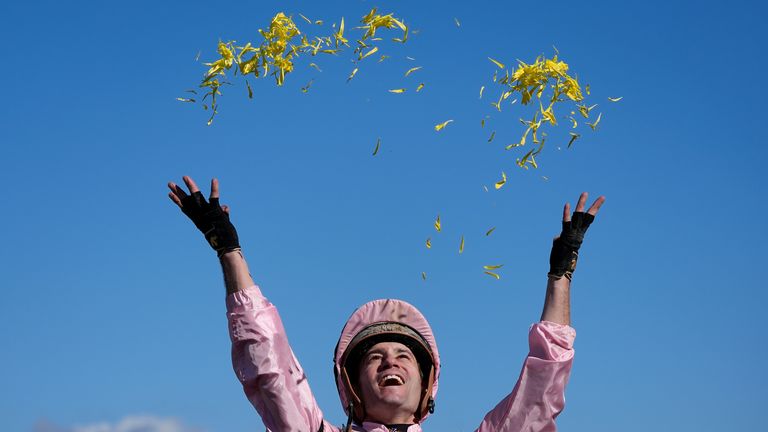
(389, 360)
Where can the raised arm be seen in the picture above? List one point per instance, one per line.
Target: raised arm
(539, 394)
(213, 220)
(562, 260)
(271, 376)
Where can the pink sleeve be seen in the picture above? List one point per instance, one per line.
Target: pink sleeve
(272, 378)
(539, 395)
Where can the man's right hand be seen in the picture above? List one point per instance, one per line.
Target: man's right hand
(210, 218)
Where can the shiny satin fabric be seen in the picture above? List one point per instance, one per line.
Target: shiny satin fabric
(277, 387)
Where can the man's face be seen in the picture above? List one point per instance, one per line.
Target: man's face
(390, 383)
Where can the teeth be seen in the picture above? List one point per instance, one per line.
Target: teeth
(395, 377)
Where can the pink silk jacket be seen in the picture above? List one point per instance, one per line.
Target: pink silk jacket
(277, 387)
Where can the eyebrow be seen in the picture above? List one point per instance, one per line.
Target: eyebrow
(381, 351)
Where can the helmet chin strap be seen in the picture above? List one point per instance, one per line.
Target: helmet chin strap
(350, 408)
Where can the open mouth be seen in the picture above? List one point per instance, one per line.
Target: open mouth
(391, 380)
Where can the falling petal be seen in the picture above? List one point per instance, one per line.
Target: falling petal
(398, 91)
(487, 233)
(586, 89)
(429, 243)
(492, 274)
(250, 90)
(442, 125)
(315, 66)
(482, 88)
(493, 267)
(545, 178)
(456, 20)
(372, 51)
(438, 226)
(501, 182)
(412, 70)
(378, 143)
(574, 137)
(493, 134)
(421, 86)
(305, 19)
(594, 125)
(197, 57)
(615, 99)
(410, 58)
(482, 122)
(461, 245)
(305, 89)
(383, 57)
(500, 65)
(352, 75)
(185, 99)
(424, 275)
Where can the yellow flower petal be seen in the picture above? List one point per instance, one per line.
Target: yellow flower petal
(438, 226)
(574, 137)
(501, 182)
(305, 19)
(442, 125)
(429, 243)
(492, 274)
(493, 134)
(482, 88)
(594, 125)
(461, 245)
(352, 75)
(378, 143)
(421, 86)
(412, 70)
(493, 267)
(612, 99)
(372, 51)
(500, 65)
(398, 91)
(250, 91)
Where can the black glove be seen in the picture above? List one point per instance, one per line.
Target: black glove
(212, 221)
(565, 249)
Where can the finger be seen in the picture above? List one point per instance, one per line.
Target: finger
(176, 190)
(225, 208)
(214, 188)
(191, 184)
(175, 199)
(567, 212)
(596, 205)
(582, 200)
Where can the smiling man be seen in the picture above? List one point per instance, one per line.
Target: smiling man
(386, 361)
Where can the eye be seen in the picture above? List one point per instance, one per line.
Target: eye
(405, 356)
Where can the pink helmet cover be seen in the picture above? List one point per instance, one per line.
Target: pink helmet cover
(384, 310)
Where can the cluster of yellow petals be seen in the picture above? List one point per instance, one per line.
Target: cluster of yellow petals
(547, 81)
(279, 47)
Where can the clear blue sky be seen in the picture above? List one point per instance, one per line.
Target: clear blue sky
(113, 305)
